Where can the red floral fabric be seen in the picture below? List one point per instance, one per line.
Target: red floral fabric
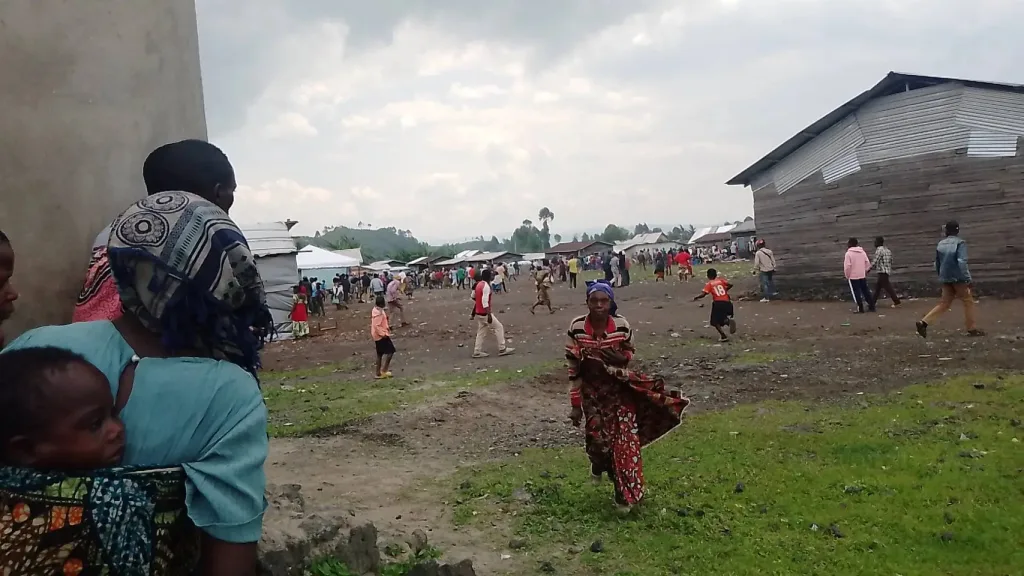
(624, 410)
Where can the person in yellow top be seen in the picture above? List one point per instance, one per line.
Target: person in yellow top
(574, 270)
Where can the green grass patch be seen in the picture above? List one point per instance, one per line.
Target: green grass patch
(334, 567)
(308, 407)
(325, 370)
(928, 481)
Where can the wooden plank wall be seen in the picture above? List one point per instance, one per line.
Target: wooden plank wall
(907, 201)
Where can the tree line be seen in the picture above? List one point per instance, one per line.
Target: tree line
(528, 237)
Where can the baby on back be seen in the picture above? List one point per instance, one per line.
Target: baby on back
(58, 412)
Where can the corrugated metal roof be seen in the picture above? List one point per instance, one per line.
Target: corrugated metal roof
(747, 226)
(354, 253)
(893, 83)
(567, 247)
(269, 239)
(488, 256)
(992, 111)
(989, 144)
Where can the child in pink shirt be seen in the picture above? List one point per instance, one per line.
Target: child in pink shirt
(380, 330)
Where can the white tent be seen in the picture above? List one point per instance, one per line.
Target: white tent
(274, 249)
(323, 264)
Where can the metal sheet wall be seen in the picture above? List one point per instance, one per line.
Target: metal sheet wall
(992, 110)
(912, 123)
(989, 144)
(836, 142)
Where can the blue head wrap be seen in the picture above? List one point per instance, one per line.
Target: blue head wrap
(602, 286)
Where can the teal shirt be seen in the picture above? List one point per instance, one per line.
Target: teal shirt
(207, 416)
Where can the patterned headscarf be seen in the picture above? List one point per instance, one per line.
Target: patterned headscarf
(185, 270)
(603, 286)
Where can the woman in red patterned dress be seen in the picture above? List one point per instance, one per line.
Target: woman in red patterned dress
(624, 410)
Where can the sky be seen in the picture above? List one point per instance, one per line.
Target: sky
(459, 118)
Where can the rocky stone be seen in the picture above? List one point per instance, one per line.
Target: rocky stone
(521, 495)
(464, 568)
(428, 568)
(418, 541)
(517, 544)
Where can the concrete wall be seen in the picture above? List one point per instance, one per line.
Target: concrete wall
(87, 90)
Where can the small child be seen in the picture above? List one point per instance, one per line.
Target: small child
(300, 313)
(721, 305)
(58, 412)
(381, 332)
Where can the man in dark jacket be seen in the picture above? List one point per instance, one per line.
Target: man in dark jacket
(951, 266)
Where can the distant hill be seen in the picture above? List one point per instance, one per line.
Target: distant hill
(383, 243)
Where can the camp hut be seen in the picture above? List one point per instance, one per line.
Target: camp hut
(898, 160)
(743, 235)
(272, 245)
(315, 262)
(566, 249)
(651, 242)
(494, 258)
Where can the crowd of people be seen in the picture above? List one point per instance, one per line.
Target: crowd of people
(149, 401)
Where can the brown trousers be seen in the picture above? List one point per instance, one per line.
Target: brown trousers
(883, 284)
(952, 292)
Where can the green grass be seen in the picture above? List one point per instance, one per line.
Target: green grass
(304, 407)
(334, 567)
(928, 481)
(324, 370)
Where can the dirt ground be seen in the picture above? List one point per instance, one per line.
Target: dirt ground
(386, 468)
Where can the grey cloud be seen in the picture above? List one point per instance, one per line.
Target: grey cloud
(239, 38)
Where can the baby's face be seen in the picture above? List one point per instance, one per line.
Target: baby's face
(82, 432)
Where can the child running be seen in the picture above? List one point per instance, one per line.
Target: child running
(721, 305)
(58, 412)
(381, 332)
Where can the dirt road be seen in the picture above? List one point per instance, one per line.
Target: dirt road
(390, 468)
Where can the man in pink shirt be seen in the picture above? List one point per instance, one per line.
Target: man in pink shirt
(856, 265)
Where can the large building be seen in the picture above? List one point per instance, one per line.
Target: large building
(899, 161)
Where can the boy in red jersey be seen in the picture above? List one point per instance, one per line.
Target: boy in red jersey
(721, 305)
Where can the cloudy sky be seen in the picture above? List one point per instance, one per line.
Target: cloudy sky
(457, 118)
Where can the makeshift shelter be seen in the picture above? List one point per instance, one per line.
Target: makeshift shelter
(274, 249)
(652, 242)
(566, 249)
(323, 264)
(494, 258)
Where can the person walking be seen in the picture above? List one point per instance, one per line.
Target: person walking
(485, 321)
(574, 270)
(764, 265)
(542, 277)
(955, 276)
(855, 267)
(621, 410)
(881, 263)
(393, 297)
